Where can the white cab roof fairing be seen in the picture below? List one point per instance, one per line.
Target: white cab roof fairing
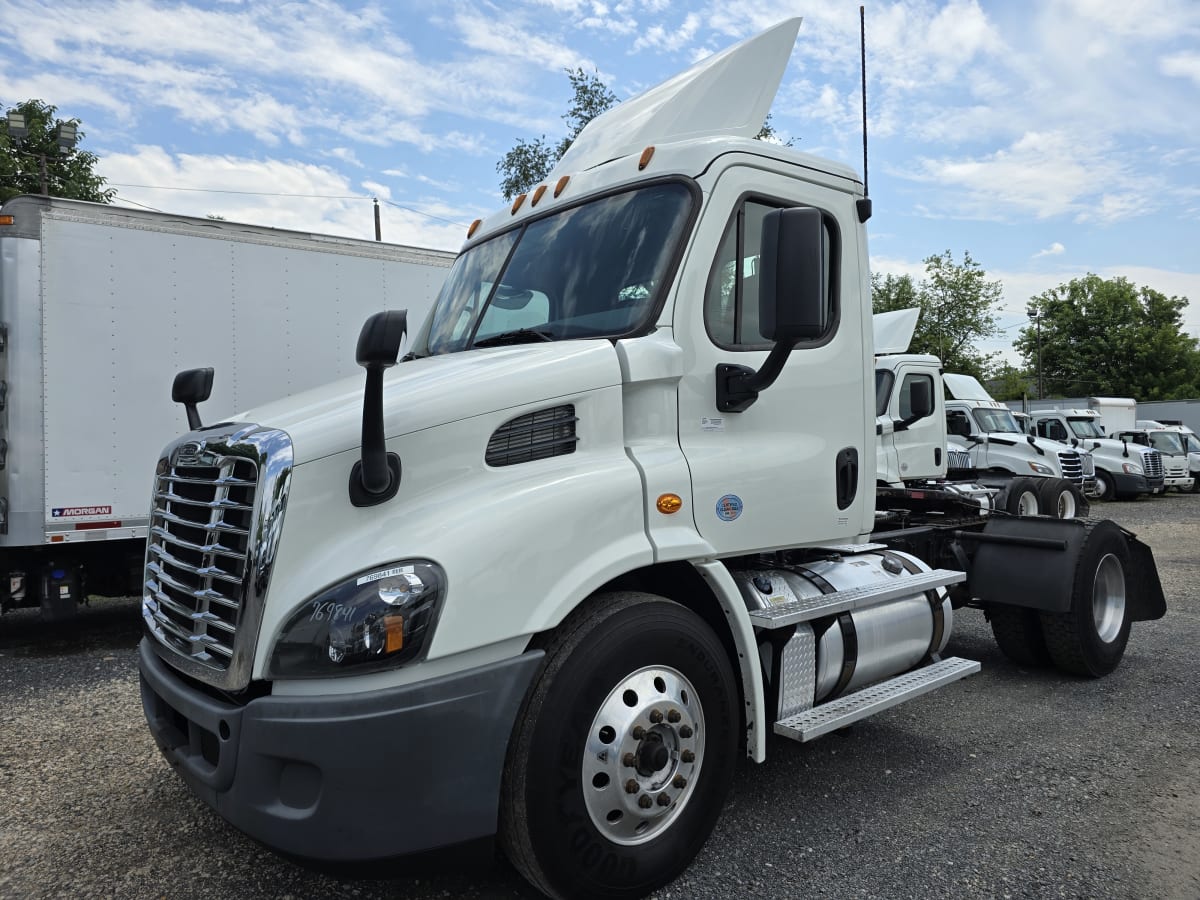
(729, 94)
(965, 387)
(894, 330)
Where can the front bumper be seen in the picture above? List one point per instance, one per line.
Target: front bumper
(1183, 482)
(345, 778)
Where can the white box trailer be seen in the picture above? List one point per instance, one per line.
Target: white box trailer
(96, 303)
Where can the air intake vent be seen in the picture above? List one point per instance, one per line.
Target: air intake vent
(548, 432)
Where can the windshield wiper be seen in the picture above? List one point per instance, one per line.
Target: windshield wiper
(520, 336)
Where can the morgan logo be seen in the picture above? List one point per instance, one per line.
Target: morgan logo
(70, 512)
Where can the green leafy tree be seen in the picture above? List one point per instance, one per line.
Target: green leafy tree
(1107, 337)
(957, 305)
(530, 161)
(1007, 382)
(36, 160)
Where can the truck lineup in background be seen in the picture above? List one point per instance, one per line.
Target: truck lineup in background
(96, 301)
(612, 520)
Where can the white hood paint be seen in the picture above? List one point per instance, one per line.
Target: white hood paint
(425, 393)
(727, 94)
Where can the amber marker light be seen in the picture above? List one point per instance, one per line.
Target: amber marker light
(394, 631)
(474, 228)
(562, 185)
(537, 195)
(668, 504)
(647, 155)
(517, 204)
(7, 220)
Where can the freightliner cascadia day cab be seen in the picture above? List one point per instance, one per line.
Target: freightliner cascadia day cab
(1123, 470)
(610, 521)
(95, 300)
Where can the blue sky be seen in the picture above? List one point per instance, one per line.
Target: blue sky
(1048, 139)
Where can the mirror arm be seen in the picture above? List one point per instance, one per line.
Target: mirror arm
(739, 386)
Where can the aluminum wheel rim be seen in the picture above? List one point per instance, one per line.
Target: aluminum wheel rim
(1108, 598)
(629, 801)
(1066, 505)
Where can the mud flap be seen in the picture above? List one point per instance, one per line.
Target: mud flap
(1148, 601)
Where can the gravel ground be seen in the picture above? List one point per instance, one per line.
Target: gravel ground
(1010, 784)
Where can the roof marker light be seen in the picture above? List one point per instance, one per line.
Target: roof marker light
(562, 185)
(647, 155)
(517, 204)
(474, 227)
(537, 195)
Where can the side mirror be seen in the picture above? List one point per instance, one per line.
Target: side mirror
(191, 387)
(375, 478)
(792, 300)
(920, 398)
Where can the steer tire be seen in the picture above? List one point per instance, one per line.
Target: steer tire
(1060, 499)
(617, 673)
(1089, 639)
(1022, 497)
(1018, 631)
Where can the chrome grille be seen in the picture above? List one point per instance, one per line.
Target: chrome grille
(215, 523)
(1089, 465)
(197, 552)
(1152, 463)
(545, 433)
(1072, 465)
(958, 459)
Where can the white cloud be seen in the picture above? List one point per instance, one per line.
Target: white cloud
(1055, 249)
(1182, 65)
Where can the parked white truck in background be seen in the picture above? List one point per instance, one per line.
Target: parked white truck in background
(548, 580)
(95, 301)
(1187, 439)
(1001, 451)
(1171, 445)
(1123, 470)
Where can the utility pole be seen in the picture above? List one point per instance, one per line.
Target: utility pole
(378, 229)
(1035, 315)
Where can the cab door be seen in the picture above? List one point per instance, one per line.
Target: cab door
(921, 449)
(797, 466)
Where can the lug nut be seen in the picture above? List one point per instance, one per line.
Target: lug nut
(655, 716)
(645, 802)
(638, 732)
(673, 716)
(631, 786)
(687, 756)
(629, 760)
(679, 782)
(685, 731)
(664, 800)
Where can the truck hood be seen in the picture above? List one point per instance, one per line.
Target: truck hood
(425, 393)
(1016, 441)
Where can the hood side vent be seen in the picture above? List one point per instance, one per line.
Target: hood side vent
(539, 435)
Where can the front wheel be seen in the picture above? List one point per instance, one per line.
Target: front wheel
(623, 751)
(1090, 638)
(1106, 489)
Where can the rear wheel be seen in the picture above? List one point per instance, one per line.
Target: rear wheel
(1018, 631)
(1090, 638)
(623, 752)
(1060, 499)
(1022, 497)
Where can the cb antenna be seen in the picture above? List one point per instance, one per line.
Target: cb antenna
(864, 205)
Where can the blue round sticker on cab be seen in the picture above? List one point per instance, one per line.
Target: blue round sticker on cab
(729, 507)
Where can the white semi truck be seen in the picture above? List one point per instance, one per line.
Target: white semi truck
(1124, 470)
(95, 301)
(547, 578)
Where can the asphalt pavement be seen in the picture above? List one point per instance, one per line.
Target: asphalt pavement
(1012, 783)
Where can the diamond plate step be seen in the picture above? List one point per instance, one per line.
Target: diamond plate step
(851, 549)
(810, 608)
(839, 713)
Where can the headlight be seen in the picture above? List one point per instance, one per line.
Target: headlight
(1131, 468)
(1041, 468)
(381, 618)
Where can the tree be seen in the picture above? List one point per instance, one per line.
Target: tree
(957, 305)
(35, 163)
(1007, 382)
(529, 162)
(1106, 337)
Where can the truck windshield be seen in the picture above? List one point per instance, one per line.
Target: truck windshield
(996, 420)
(1086, 428)
(594, 270)
(1168, 442)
